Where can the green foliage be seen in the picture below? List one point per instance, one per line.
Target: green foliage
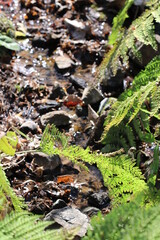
(127, 222)
(122, 177)
(119, 20)
(6, 26)
(7, 193)
(52, 136)
(127, 42)
(7, 34)
(22, 225)
(8, 143)
(120, 174)
(129, 120)
(9, 43)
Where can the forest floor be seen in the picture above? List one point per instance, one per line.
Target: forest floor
(46, 81)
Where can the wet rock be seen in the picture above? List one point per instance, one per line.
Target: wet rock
(91, 95)
(81, 111)
(46, 41)
(63, 62)
(99, 200)
(147, 53)
(69, 218)
(90, 211)
(49, 106)
(58, 118)
(57, 92)
(29, 126)
(78, 82)
(59, 204)
(113, 82)
(77, 29)
(39, 41)
(45, 161)
(97, 131)
(92, 115)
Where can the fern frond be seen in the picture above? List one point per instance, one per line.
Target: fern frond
(129, 221)
(141, 30)
(119, 136)
(122, 178)
(104, 72)
(120, 174)
(130, 105)
(22, 225)
(8, 192)
(52, 136)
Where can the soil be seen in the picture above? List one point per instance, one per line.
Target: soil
(64, 44)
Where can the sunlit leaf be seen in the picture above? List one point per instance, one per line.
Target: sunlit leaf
(8, 143)
(9, 43)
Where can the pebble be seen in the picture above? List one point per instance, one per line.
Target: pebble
(78, 82)
(63, 62)
(58, 118)
(77, 29)
(48, 107)
(29, 126)
(91, 211)
(59, 203)
(99, 200)
(46, 161)
(57, 92)
(91, 95)
(70, 218)
(81, 111)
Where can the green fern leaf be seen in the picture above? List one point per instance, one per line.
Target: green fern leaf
(22, 225)
(141, 30)
(129, 221)
(8, 192)
(120, 174)
(131, 104)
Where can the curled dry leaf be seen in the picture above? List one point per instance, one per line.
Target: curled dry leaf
(72, 101)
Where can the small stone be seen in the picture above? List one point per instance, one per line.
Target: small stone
(113, 82)
(69, 218)
(46, 161)
(57, 92)
(58, 118)
(63, 62)
(91, 211)
(59, 204)
(49, 106)
(91, 95)
(81, 111)
(99, 200)
(77, 29)
(78, 82)
(39, 41)
(29, 126)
